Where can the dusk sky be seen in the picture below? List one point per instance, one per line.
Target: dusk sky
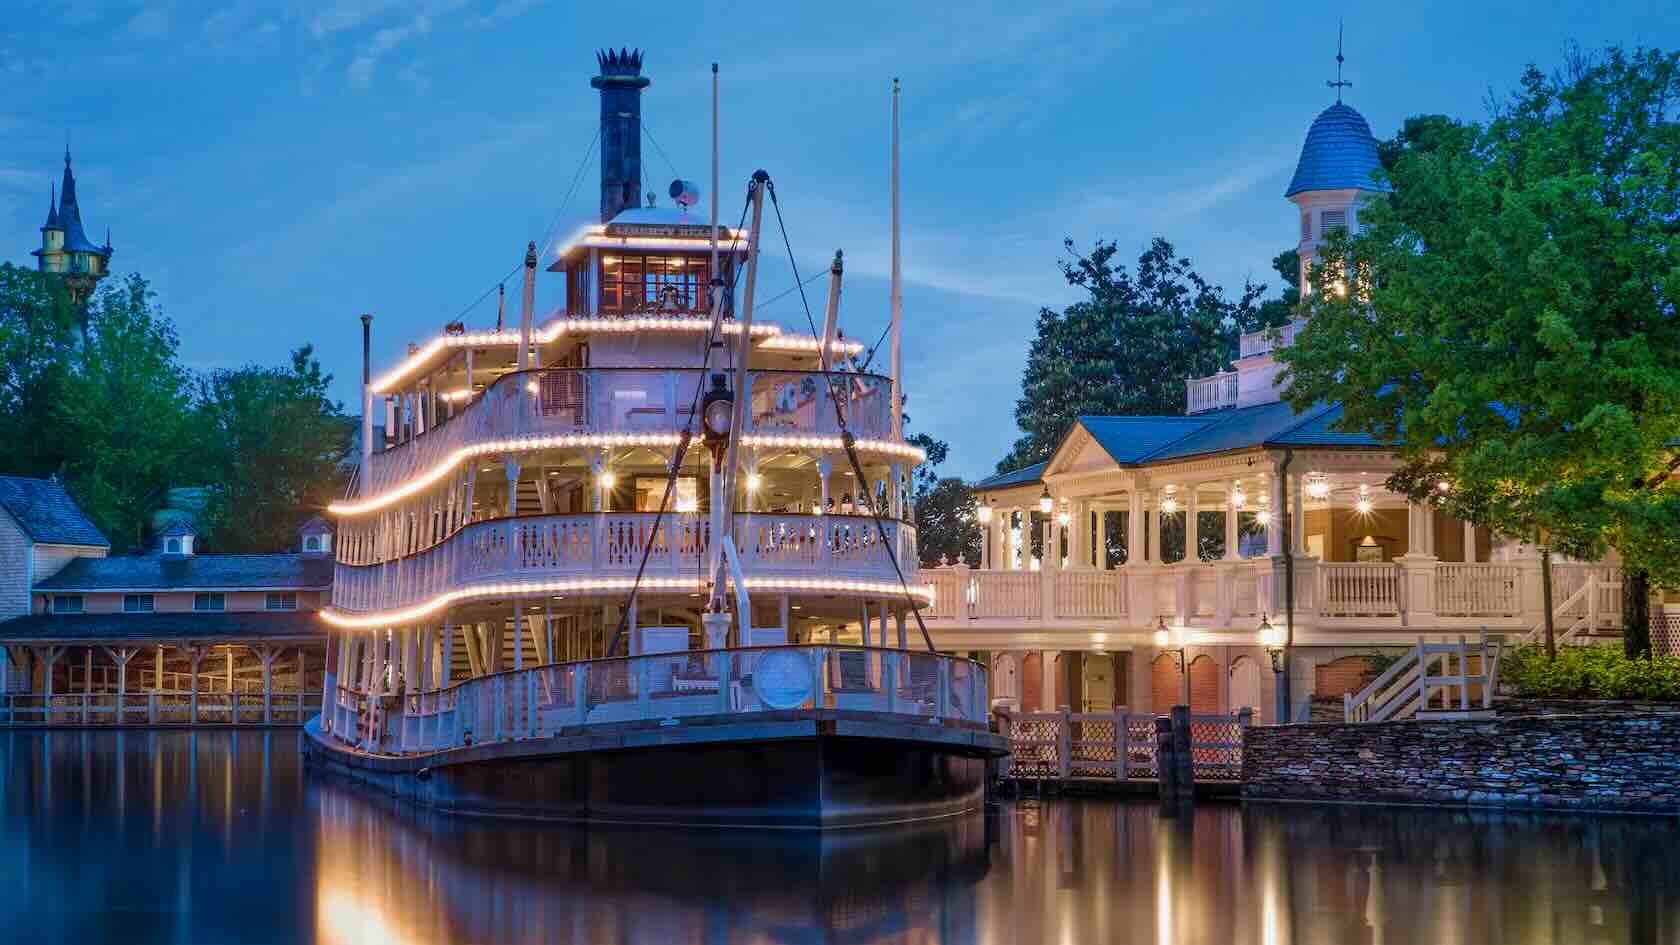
(275, 169)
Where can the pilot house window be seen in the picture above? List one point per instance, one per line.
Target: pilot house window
(631, 282)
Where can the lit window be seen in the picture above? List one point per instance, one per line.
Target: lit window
(209, 602)
(1331, 221)
(312, 543)
(138, 604)
(286, 600)
(174, 546)
(67, 603)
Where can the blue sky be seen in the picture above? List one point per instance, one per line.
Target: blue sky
(278, 168)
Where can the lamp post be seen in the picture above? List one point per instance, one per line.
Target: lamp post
(1272, 639)
(1163, 642)
(717, 416)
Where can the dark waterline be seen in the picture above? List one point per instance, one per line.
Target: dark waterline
(223, 837)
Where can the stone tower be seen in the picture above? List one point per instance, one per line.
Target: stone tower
(65, 248)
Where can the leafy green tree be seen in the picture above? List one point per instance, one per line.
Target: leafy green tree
(1510, 309)
(38, 333)
(274, 442)
(946, 528)
(127, 422)
(1127, 348)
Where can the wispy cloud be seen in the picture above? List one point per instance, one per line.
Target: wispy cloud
(502, 12)
(152, 22)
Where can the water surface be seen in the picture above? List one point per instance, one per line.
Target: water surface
(224, 837)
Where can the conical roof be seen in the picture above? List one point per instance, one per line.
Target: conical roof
(70, 217)
(52, 212)
(1340, 153)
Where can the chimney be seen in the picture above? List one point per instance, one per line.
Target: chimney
(621, 85)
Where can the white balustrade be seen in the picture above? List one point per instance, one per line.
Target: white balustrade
(560, 401)
(611, 545)
(1477, 590)
(1099, 594)
(1270, 339)
(545, 700)
(1365, 589)
(1007, 594)
(1210, 393)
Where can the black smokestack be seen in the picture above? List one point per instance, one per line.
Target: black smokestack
(621, 86)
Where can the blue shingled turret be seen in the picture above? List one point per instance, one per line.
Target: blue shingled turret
(70, 215)
(1340, 154)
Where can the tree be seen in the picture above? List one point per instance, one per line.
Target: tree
(274, 441)
(126, 417)
(946, 528)
(1128, 347)
(37, 356)
(1512, 313)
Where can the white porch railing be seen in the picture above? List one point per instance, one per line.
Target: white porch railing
(1089, 594)
(545, 700)
(1114, 745)
(559, 401)
(1412, 684)
(1478, 590)
(1210, 393)
(1358, 589)
(610, 545)
(1260, 342)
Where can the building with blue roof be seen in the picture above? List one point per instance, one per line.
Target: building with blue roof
(171, 636)
(1142, 562)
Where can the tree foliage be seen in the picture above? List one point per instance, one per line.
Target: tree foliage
(946, 528)
(276, 443)
(121, 421)
(1127, 348)
(1510, 311)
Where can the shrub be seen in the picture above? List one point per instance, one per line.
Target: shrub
(1591, 672)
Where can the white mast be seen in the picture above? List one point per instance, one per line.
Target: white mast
(526, 304)
(897, 287)
(715, 194)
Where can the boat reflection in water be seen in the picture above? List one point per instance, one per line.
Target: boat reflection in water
(410, 875)
(219, 837)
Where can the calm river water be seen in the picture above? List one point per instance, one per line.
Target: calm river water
(223, 838)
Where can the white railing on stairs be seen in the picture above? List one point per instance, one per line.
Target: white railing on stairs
(1411, 685)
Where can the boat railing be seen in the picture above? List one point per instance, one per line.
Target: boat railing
(158, 707)
(666, 688)
(559, 402)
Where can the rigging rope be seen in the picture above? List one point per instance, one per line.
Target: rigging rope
(683, 443)
(849, 442)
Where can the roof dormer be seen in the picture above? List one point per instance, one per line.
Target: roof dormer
(315, 537)
(176, 541)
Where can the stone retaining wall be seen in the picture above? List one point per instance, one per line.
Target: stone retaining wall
(1628, 762)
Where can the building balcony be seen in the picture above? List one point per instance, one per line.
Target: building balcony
(1210, 393)
(599, 555)
(604, 407)
(1411, 596)
(1255, 343)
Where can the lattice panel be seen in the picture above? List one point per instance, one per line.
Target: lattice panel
(1665, 633)
(1092, 749)
(1140, 748)
(1033, 743)
(1216, 749)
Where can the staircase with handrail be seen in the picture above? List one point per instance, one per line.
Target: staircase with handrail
(1407, 688)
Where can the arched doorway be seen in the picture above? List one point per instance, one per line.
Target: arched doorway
(1006, 678)
(1166, 686)
(1204, 686)
(1246, 685)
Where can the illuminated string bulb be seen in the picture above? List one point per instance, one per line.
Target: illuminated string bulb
(754, 480)
(608, 479)
(1263, 517)
(386, 619)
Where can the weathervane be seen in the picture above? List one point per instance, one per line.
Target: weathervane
(1339, 84)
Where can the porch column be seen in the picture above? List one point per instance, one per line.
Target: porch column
(1192, 543)
(1047, 680)
(1417, 567)
(1231, 511)
(510, 468)
(1155, 546)
(230, 668)
(1099, 554)
(1134, 527)
(158, 678)
(1051, 552)
(1274, 528)
(448, 655)
(1420, 529)
(194, 655)
(265, 656)
(1469, 542)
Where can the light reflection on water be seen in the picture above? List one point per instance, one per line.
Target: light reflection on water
(222, 837)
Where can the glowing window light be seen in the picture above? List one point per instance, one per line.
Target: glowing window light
(1363, 506)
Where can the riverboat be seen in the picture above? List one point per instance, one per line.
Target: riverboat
(551, 602)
